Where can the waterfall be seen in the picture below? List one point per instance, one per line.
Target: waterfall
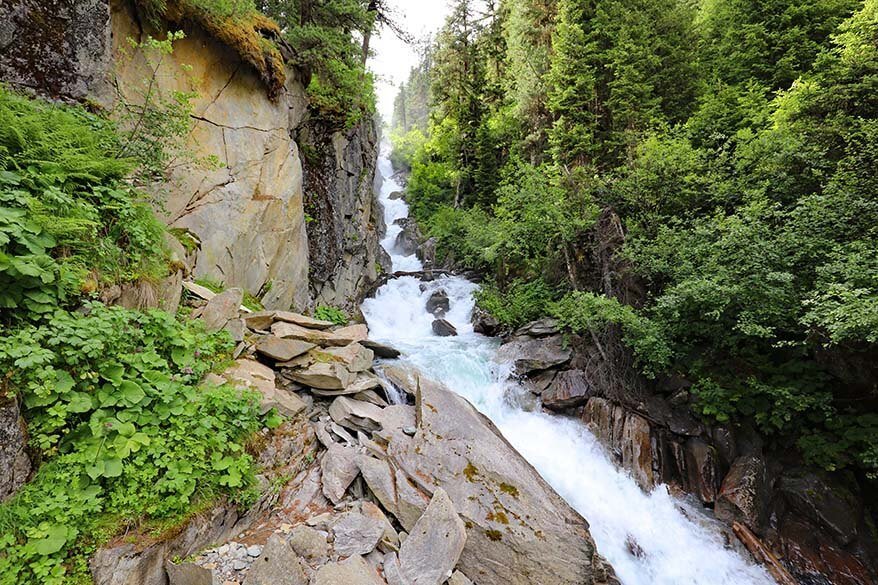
(649, 538)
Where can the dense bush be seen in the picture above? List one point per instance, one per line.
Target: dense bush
(121, 431)
(68, 222)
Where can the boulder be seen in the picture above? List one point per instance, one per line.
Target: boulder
(358, 532)
(323, 338)
(364, 382)
(236, 329)
(309, 544)
(326, 376)
(339, 469)
(259, 321)
(277, 564)
(409, 238)
(393, 490)
(351, 571)
(355, 357)
(434, 545)
(539, 328)
(254, 375)
(823, 501)
(426, 252)
(568, 389)
(282, 350)
(458, 578)
(221, 309)
(485, 323)
(199, 291)
(438, 304)
(702, 468)
(491, 486)
(358, 332)
(395, 195)
(539, 382)
(188, 574)
(532, 355)
(443, 328)
(302, 320)
(381, 350)
(636, 444)
(356, 415)
(745, 494)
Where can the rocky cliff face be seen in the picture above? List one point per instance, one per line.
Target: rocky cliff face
(248, 213)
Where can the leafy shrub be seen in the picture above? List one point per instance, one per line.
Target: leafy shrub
(68, 222)
(405, 146)
(121, 429)
(588, 312)
(333, 314)
(518, 303)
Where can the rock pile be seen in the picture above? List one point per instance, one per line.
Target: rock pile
(421, 493)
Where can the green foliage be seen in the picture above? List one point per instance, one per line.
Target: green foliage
(250, 301)
(121, 429)
(517, 303)
(328, 313)
(405, 146)
(737, 142)
(68, 222)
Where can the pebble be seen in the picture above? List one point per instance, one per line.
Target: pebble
(410, 431)
(254, 551)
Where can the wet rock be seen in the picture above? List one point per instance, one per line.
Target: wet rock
(485, 323)
(745, 493)
(302, 320)
(339, 468)
(323, 375)
(823, 501)
(381, 350)
(438, 304)
(637, 450)
(282, 350)
(396, 195)
(352, 571)
(491, 485)
(434, 545)
(277, 564)
(532, 355)
(443, 328)
(221, 309)
(539, 382)
(568, 389)
(540, 328)
(701, 464)
(426, 252)
(409, 238)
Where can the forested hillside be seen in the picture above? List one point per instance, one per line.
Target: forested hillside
(700, 175)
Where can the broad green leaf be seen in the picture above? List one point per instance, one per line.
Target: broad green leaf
(113, 373)
(79, 402)
(52, 542)
(131, 392)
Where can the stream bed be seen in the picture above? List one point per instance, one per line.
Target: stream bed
(649, 538)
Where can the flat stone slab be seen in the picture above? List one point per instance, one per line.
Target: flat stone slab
(325, 376)
(277, 564)
(532, 355)
(351, 571)
(434, 545)
(282, 350)
(318, 337)
(302, 320)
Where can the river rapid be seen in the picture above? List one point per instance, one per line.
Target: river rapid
(678, 544)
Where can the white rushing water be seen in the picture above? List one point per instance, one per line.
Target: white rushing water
(679, 546)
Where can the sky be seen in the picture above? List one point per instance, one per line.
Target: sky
(393, 58)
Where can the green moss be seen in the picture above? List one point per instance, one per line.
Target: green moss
(470, 472)
(509, 489)
(494, 535)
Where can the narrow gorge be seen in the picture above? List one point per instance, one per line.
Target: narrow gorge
(256, 333)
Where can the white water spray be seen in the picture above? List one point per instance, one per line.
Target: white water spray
(677, 544)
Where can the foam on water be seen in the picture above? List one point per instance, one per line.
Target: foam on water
(679, 545)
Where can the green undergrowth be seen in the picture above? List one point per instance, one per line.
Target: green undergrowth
(122, 433)
(69, 223)
(329, 313)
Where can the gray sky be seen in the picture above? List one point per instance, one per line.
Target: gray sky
(393, 59)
